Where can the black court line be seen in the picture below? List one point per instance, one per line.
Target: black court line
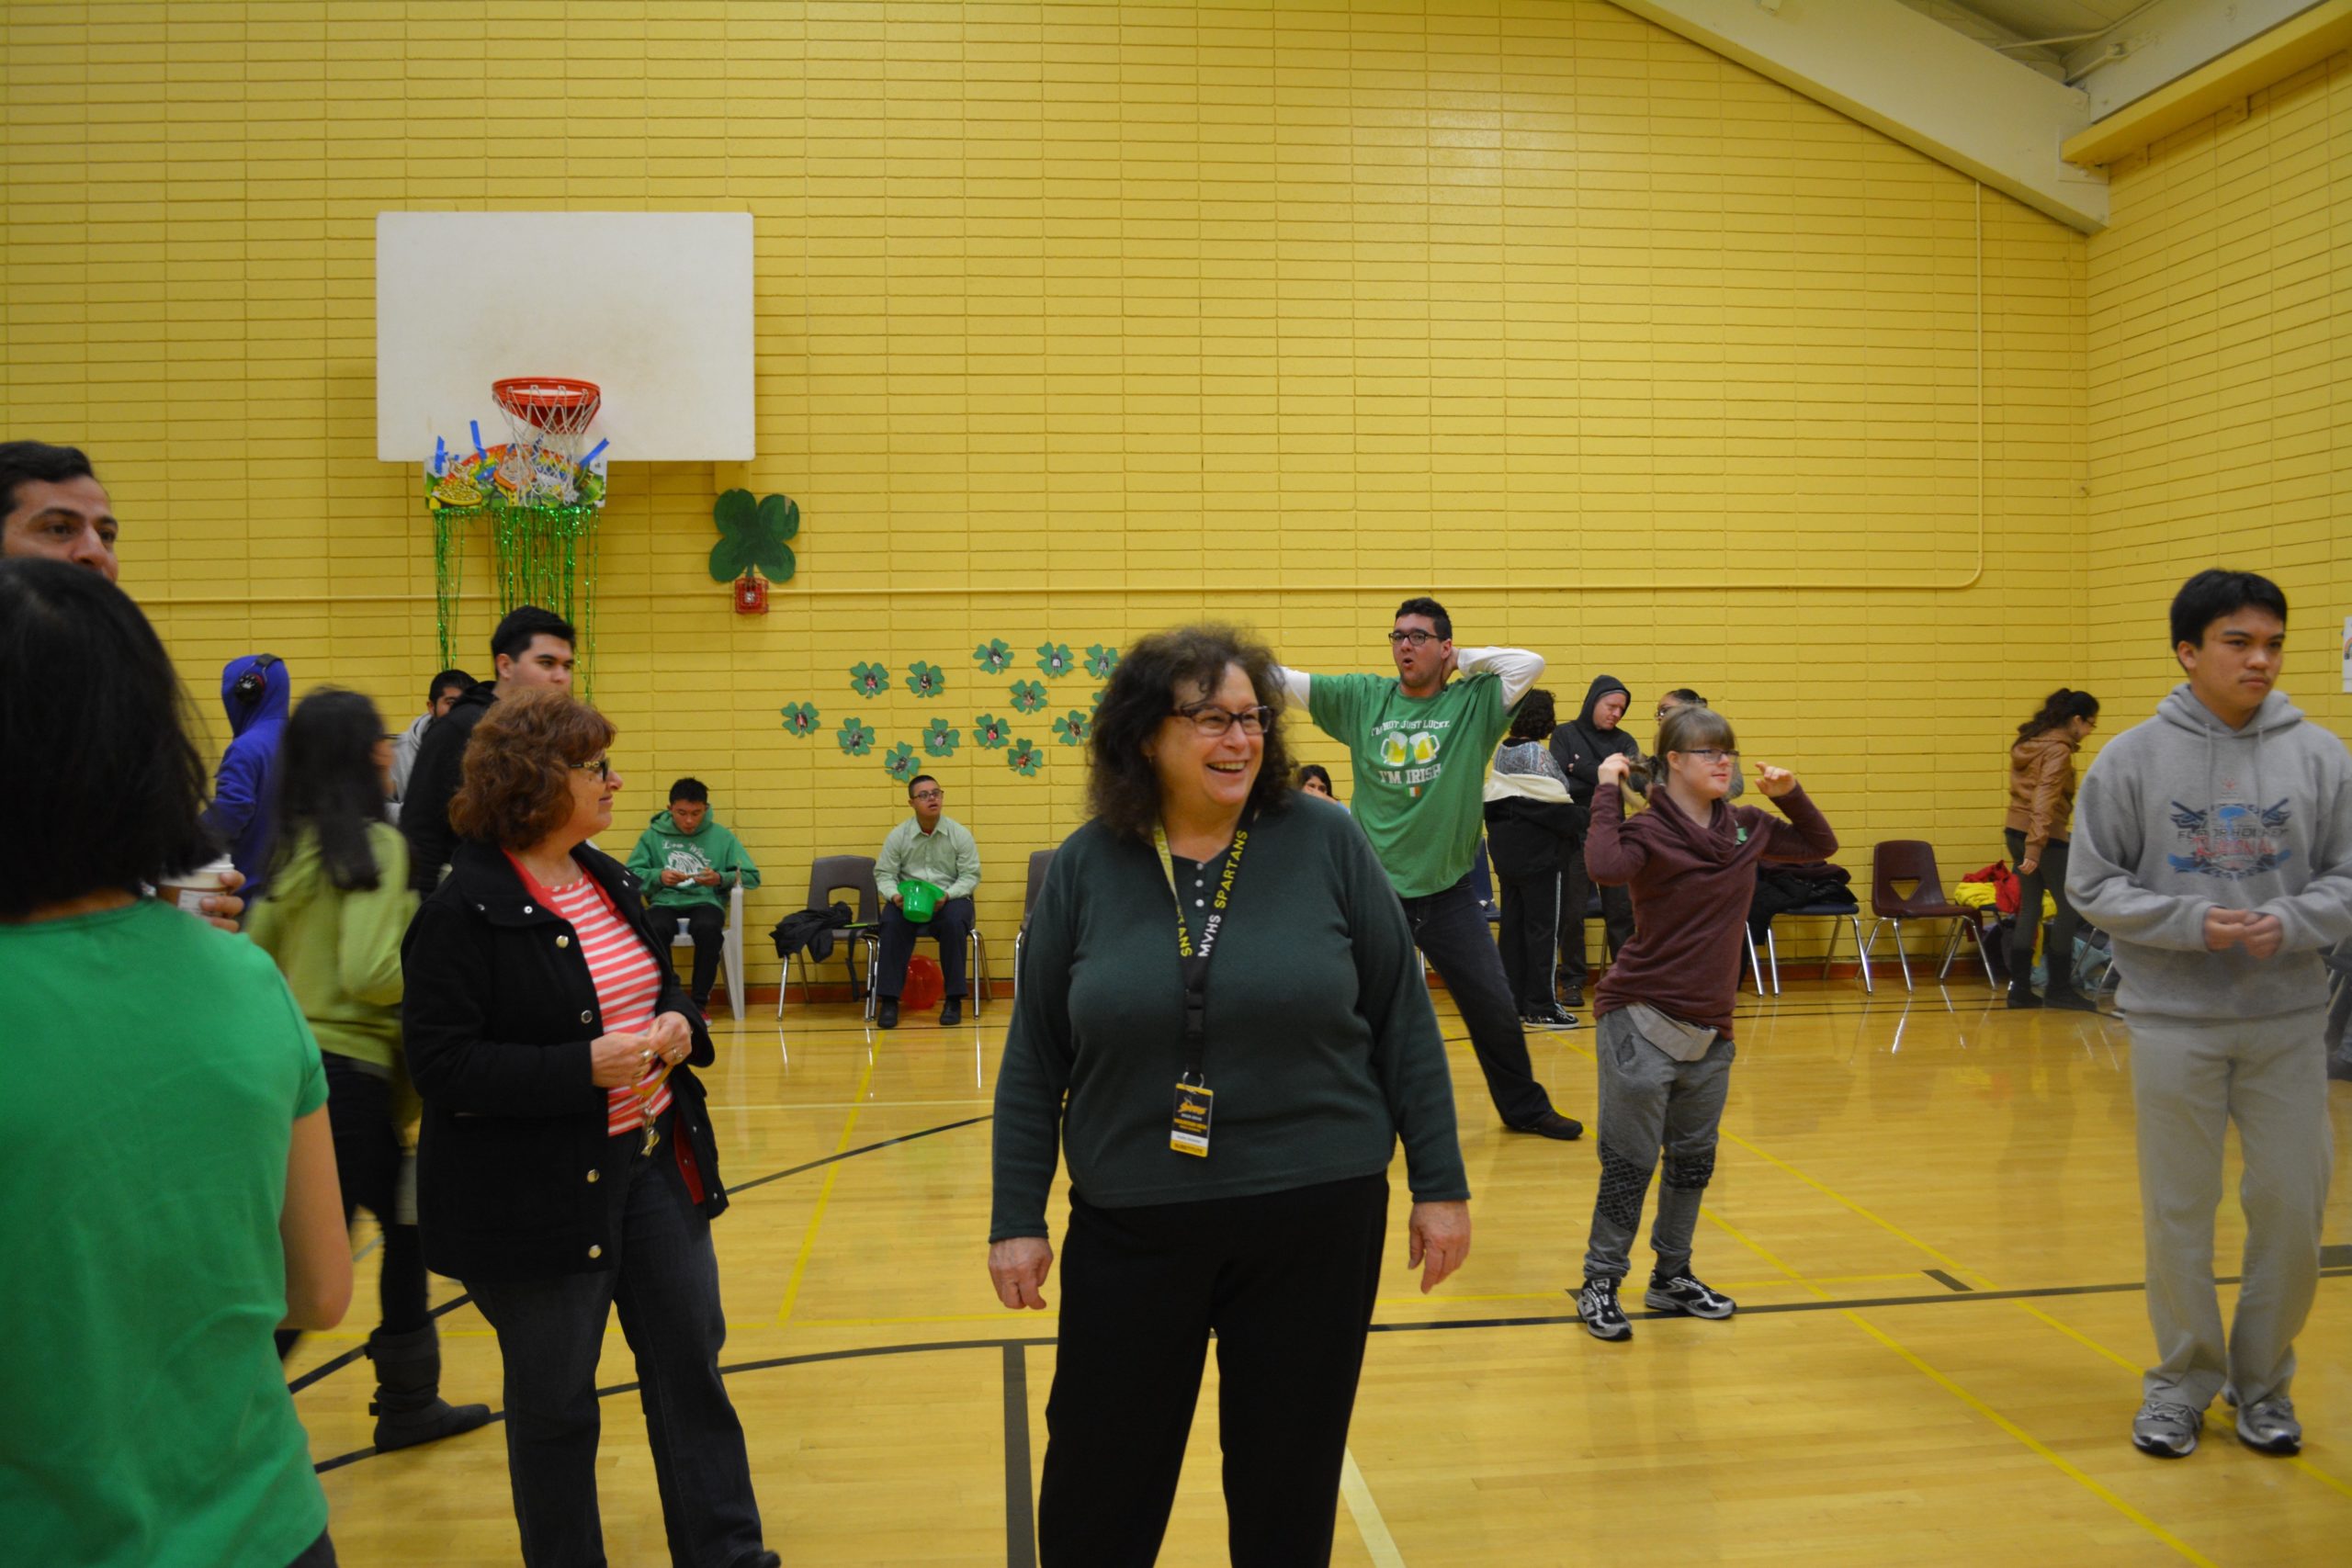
(1946, 1280)
(1020, 1524)
(356, 1351)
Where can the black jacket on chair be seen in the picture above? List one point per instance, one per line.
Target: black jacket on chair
(500, 1014)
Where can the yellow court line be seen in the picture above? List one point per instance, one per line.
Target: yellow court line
(1000, 1315)
(2034, 1444)
(824, 1197)
(1955, 1265)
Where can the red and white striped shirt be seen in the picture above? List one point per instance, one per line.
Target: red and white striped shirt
(628, 983)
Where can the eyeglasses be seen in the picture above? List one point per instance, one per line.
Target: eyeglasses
(602, 767)
(929, 795)
(1417, 637)
(1211, 720)
(1710, 755)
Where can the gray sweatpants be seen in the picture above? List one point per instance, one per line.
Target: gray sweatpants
(2189, 1081)
(1651, 1102)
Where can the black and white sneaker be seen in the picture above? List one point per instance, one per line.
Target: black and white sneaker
(1597, 1304)
(1687, 1296)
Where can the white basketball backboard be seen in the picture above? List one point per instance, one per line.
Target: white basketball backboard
(653, 307)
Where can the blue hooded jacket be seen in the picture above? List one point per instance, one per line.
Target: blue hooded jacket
(243, 813)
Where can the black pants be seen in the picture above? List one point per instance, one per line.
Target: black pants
(1530, 932)
(2049, 876)
(951, 923)
(319, 1553)
(1616, 921)
(706, 923)
(550, 1332)
(1286, 1280)
(1452, 934)
(367, 1157)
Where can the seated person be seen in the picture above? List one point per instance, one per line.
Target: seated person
(686, 862)
(934, 848)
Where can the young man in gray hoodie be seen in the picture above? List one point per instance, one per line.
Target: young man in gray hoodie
(2213, 842)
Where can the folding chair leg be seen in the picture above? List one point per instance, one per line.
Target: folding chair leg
(1901, 957)
(979, 972)
(1983, 956)
(1754, 968)
(1868, 989)
(1951, 951)
(1773, 956)
(873, 974)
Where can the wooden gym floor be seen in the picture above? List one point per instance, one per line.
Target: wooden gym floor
(1927, 1206)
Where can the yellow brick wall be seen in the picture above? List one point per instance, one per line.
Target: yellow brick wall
(2220, 349)
(1078, 320)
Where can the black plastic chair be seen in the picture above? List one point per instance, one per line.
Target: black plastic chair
(836, 873)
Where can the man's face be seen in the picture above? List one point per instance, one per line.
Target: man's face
(1420, 652)
(1608, 710)
(2237, 664)
(70, 519)
(547, 662)
(688, 814)
(929, 800)
(447, 700)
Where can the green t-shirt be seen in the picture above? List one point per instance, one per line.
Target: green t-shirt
(1421, 767)
(155, 1069)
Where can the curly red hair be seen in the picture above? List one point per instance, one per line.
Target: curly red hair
(518, 766)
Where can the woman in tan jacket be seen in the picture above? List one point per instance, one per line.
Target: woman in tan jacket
(2041, 808)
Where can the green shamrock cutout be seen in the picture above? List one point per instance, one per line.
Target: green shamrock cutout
(799, 717)
(1025, 758)
(753, 534)
(899, 761)
(1028, 696)
(939, 740)
(992, 732)
(1053, 658)
(869, 680)
(925, 681)
(1101, 660)
(1073, 728)
(856, 738)
(992, 656)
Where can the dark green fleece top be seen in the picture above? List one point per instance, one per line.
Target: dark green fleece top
(1323, 1050)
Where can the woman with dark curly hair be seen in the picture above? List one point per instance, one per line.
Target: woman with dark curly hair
(1229, 1128)
(2038, 828)
(565, 1164)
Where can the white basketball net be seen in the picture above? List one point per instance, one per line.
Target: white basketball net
(545, 427)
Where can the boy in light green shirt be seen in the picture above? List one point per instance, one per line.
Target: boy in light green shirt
(930, 847)
(1421, 745)
(687, 861)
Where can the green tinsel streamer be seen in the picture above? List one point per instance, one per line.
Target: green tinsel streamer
(539, 551)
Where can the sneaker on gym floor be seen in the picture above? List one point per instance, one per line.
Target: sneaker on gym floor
(2268, 1425)
(1682, 1294)
(2166, 1430)
(1597, 1304)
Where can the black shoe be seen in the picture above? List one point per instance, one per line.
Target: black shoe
(2021, 994)
(886, 1012)
(1552, 1124)
(1597, 1305)
(2068, 998)
(407, 1405)
(951, 1012)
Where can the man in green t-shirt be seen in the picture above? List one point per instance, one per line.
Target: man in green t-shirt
(1421, 745)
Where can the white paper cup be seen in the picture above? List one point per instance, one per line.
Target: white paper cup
(192, 889)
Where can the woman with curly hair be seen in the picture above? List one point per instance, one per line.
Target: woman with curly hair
(565, 1164)
(1222, 1023)
(2039, 827)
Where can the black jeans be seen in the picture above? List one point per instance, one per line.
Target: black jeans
(664, 1279)
(706, 923)
(1286, 1280)
(2049, 876)
(319, 1553)
(367, 1156)
(1451, 933)
(1616, 920)
(951, 923)
(1530, 932)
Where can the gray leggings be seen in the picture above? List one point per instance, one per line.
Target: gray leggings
(2049, 876)
(1651, 1102)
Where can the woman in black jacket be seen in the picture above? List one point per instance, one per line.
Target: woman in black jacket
(1580, 746)
(566, 1163)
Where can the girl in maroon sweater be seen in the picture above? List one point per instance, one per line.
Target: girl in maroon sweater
(1664, 1044)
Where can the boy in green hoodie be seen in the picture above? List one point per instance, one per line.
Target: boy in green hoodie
(687, 862)
(2213, 842)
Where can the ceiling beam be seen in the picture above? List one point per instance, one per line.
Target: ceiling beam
(2167, 41)
(2273, 56)
(1914, 79)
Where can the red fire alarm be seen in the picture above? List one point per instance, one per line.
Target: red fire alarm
(751, 595)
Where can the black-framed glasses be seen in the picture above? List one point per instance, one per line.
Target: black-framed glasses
(929, 795)
(1212, 720)
(1713, 754)
(1417, 637)
(602, 767)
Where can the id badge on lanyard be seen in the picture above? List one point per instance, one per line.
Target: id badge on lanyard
(1188, 1130)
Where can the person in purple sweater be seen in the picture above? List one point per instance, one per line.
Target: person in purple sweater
(1664, 1046)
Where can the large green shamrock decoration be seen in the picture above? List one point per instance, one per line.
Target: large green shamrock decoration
(939, 740)
(799, 717)
(1025, 758)
(1072, 729)
(753, 534)
(899, 761)
(1053, 658)
(925, 681)
(1101, 660)
(856, 737)
(1028, 696)
(869, 680)
(992, 655)
(992, 732)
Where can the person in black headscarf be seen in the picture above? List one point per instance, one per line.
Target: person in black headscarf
(1581, 747)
